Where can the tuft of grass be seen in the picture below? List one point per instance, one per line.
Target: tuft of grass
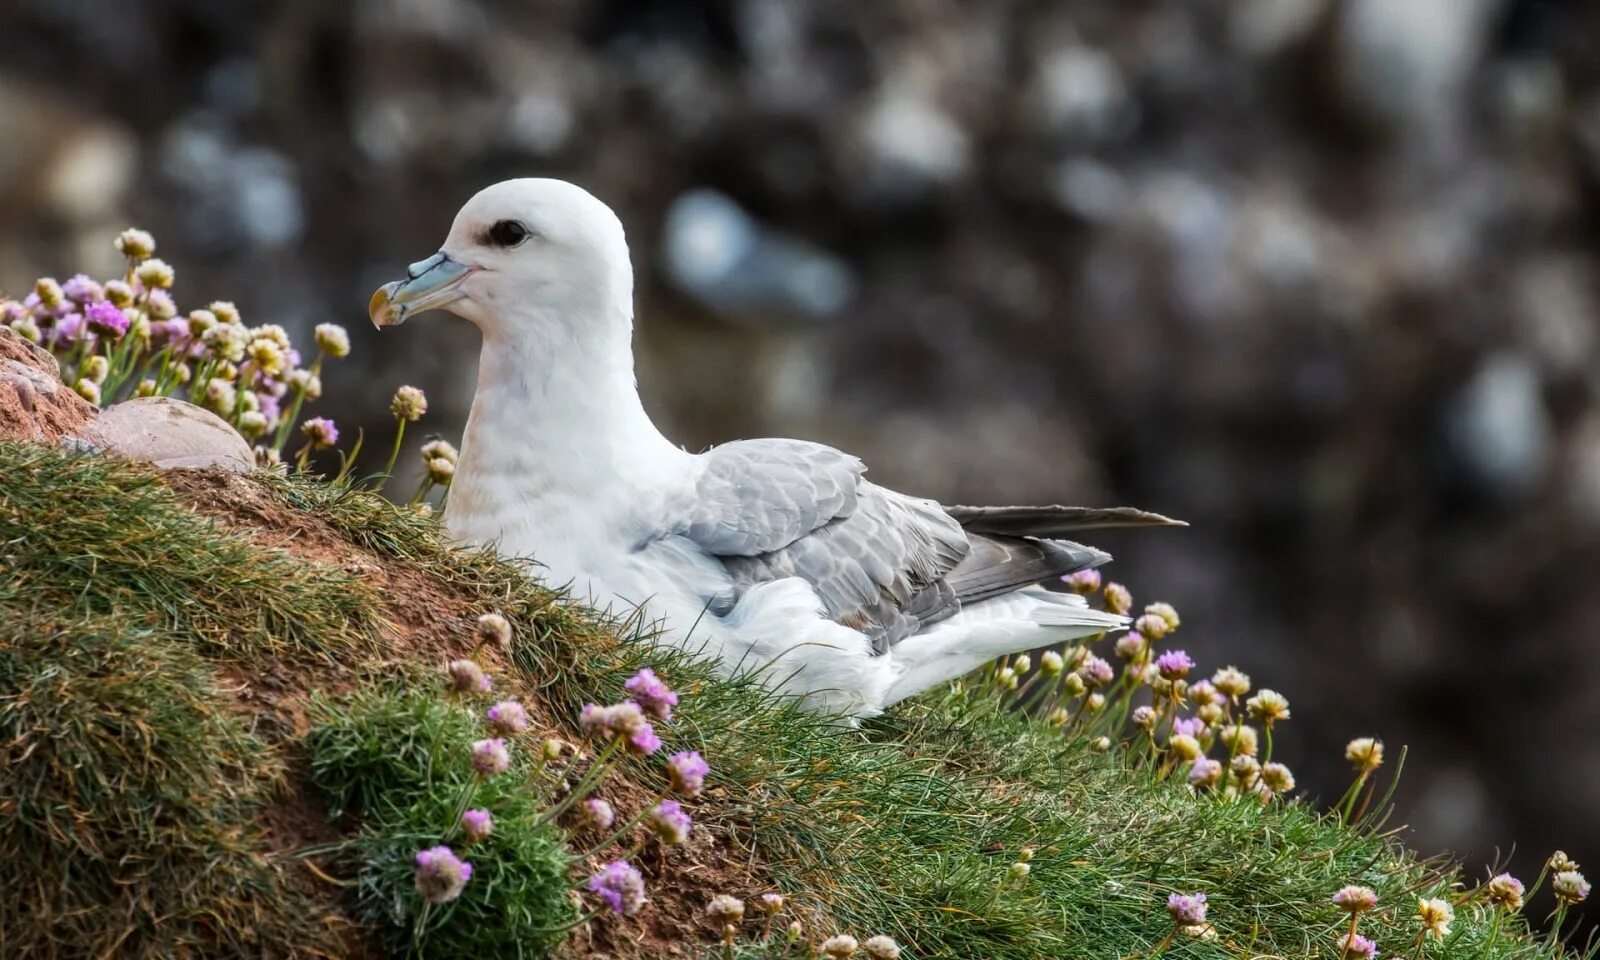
(131, 801)
(96, 536)
(396, 760)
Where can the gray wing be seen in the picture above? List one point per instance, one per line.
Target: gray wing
(881, 562)
(757, 496)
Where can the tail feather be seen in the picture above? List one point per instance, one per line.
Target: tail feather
(1054, 522)
(1022, 620)
(1059, 610)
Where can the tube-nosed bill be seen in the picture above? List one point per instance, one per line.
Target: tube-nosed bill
(429, 284)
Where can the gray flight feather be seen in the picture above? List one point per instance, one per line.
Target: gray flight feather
(881, 562)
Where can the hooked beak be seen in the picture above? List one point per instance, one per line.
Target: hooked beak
(429, 284)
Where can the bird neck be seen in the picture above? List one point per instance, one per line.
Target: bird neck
(557, 417)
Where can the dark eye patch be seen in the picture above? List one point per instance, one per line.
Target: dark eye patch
(507, 233)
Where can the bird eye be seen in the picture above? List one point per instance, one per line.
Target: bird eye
(507, 233)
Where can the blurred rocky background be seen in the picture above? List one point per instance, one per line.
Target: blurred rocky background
(1317, 275)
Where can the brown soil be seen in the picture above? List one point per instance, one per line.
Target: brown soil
(427, 621)
(34, 404)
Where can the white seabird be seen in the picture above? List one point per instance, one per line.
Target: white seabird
(770, 555)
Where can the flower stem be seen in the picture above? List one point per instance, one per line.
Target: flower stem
(394, 451)
(584, 785)
(287, 424)
(621, 831)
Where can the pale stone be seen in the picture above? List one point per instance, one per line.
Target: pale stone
(169, 433)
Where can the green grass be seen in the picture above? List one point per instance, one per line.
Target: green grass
(130, 606)
(130, 801)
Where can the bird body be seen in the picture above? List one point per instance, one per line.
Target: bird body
(773, 556)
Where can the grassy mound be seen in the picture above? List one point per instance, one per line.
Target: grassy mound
(223, 734)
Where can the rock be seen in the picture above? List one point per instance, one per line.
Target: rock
(168, 433)
(34, 403)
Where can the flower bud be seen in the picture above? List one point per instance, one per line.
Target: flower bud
(332, 340)
(136, 244)
(155, 274)
(409, 404)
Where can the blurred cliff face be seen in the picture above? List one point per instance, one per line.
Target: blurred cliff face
(1317, 275)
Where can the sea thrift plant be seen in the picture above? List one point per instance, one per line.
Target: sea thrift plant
(1083, 582)
(1436, 916)
(408, 406)
(1187, 909)
(1174, 665)
(1353, 946)
(1570, 888)
(1355, 900)
(1505, 892)
(1167, 613)
(127, 336)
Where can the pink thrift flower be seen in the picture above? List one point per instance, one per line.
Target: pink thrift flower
(508, 717)
(687, 772)
(1354, 899)
(597, 814)
(1095, 672)
(441, 875)
(321, 431)
(1083, 581)
(1187, 909)
(1174, 665)
(467, 677)
(106, 319)
(620, 886)
(644, 741)
(651, 694)
(477, 824)
(490, 757)
(669, 822)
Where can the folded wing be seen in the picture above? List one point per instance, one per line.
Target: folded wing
(881, 562)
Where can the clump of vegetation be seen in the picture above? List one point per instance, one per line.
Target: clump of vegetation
(126, 337)
(395, 761)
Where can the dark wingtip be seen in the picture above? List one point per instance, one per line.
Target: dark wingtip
(1055, 520)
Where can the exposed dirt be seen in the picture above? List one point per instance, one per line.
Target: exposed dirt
(428, 621)
(34, 404)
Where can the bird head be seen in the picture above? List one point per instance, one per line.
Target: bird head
(521, 253)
